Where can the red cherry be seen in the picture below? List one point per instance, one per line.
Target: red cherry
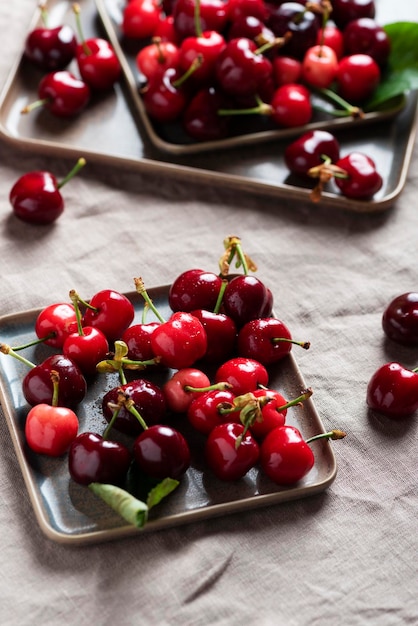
(164, 97)
(36, 197)
(138, 340)
(309, 149)
(62, 94)
(393, 391)
(290, 18)
(50, 429)
(207, 46)
(86, 349)
(344, 11)
(362, 180)
(240, 71)
(179, 342)
(176, 390)
(400, 319)
(284, 455)
(58, 320)
(243, 374)
(37, 386)
(291, 106)
(211, 408)
(201, 120)
(156, 57)
(51, 48)
(272, 413)
(212, 14)
(246, 298)
(162, 452)
(357, 77)
(286, 70)
(330, 35)
(221, 333)
(365, 36)
(319, 66)
(230, 453)
(140, 19)
(111, 312)
(194, 289)
(92, 458)
(267, 340)
(245, 8)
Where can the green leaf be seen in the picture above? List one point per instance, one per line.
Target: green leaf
(131, 509)
(160, 491)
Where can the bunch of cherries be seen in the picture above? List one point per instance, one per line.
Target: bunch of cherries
(393, 389)
(202, 62)
(52, 49)
(213, 354)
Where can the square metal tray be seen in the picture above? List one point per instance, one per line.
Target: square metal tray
(69, 513)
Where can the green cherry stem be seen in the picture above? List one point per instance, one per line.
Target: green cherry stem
(77, 11)
(197, 20)
(77, 167)
(220, 296)
(296, 401)
(215, 387)
(140, 289)
(6, 349)
(35, 342)
(346, 110)
(332, 434)
(55, 379)
(303, 344)
(75, 299)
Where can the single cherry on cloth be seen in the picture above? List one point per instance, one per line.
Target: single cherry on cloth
(267, 340)
(62, 94)
(92, 458)
(400, 319)
(162, 452)
(359, 178)
(49, 428)
(284, 455)
(36, 197)
(243, 374)
(110, 311)
(393, 391)
(308, 150)
(56, 321)
(96, 59)
(50, 48)
(230, 452)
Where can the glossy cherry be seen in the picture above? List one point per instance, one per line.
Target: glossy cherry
(138, 339)
(274, 412)
(206, 46)
(345, 11)
(109, 311)
(201, 120)
(246, 298)
(92, 458)
(400, 319)
(319, 66)
(229, 452)
(266, 340)
(246, 8)
(140, 18)
(361, 180)
(36, 197)
(251, 27)
(393, 391)
(357, 77)
(309, 149)
(86, 349)
(212, 15)
(291, 105)
(284, 455)
(162, 452)
(37, 386)
(330, 35)
(221, 333)
(56, 321)
(240, 70)
(164, 96)
(194, 289)
(148, 400)
(156, 57)
(366, 36)
(62, 94)
(180, 341)
(180, 390)
(286, 70)
(302, 24)
(50, 48)
(243, 374)
(211, 408)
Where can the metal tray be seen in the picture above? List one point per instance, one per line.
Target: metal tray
(69, 513)
(112, 131)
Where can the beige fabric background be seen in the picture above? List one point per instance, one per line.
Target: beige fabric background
(348, 556)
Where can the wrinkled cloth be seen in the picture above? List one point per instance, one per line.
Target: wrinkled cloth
(345, 556)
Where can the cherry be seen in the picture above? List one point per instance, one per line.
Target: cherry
(393, 391)
(294, 19)
(194, 289)
(330, 35)
(246, 8)
(400, 319)
(156, 57)
(221, 333)
(92, 458)
(359, 180)
(50, 429)
(365, 36)
(164, 97)
(284, 455)
(266, 340)
(180, 390)
(140, 18)
(62, 94)
(291, 106)
(344, 11)
(319, 66)
(243, 374)
(179, 342)
(36, 197)
(38, 388)
(240, 70)
(246, 298)
(86, 349)
(230, 452)
(250, 27)
(211, 408)
(96, 59)
(357, 77)
(109, 311)
(212, 13)
(308, 150)
(55, 322)
(50, 48)
(165, 29)
(147, 399)
(274, 411)
(286, 70)
(162, 452)
(138, 340)
(200, 118)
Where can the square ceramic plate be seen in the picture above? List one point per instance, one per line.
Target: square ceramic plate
(69, 513)
(112, 132)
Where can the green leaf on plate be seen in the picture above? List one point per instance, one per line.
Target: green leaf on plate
(131, 509)
(160, 491)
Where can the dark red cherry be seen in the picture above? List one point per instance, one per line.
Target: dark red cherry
(246, 298)
(94, 459)
(302, 24)
(201, 120)
(400, 319)
(194, 289)
(393, 391)
(110, 311)
(344, 11)
(51, 48)
(212, 14)
(366, 36)
(363, 180)
(221, 333)
(148, 400)
(38, 388)
(98, 64)
(309, 150)
(162, 452)
(138, 340)
(61, 93)
(240, 71)
(164, 95)
(267, 340)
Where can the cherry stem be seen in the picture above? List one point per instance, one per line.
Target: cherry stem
(303, 344)
(196, 63)
(5, 349)
(233, 247)
(44, 13)
(140, 289)
(215, 387)
(197, 20)
(34, 105)
(121, 362)
(332, 434)
(220, 296)
(77, 167)
(157, 42)
(75, 299)
(112, 421)
(55, 378)
(278, 42)
(296, 401)
(35, 342)
(77, 11)
(348, 109)
(262, 108)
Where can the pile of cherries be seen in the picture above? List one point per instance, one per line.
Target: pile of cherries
(393, 389)
(213, 355)
(62, 91)
(203, 62)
